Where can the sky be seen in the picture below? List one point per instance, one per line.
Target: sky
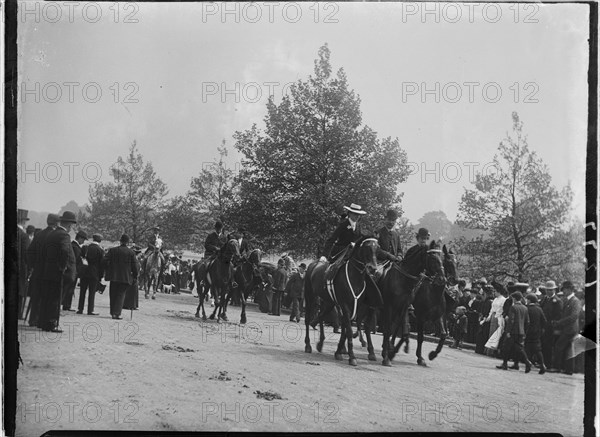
(180, 78)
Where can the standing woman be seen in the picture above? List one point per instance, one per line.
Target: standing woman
(483, 333)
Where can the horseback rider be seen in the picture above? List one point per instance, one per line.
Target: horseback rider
(154, 241)
(419, 249)
(347, 232)
(214, 242)
(389, 239)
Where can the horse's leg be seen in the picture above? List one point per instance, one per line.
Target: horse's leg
(420, 327)
(307, 315)
(348, 329)
(370, 348)
(243, 302)
(341, 348)
(326, 308)
(214, 293)
(225, 298)
(443, 334)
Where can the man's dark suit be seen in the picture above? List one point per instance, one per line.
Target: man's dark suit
(59, 268)
(389, 244)
(91, 277)
(552, 307)
(213, 243)
(568, 325)
(35, 260)
(122, 269)
(516, 326)
(341, 238)
(69, 289)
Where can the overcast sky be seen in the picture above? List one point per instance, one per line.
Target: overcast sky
(162, 80)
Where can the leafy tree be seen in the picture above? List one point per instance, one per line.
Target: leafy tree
(131, 202)
(179, 226)
(313, 157)
(437, 223)
(519, 206)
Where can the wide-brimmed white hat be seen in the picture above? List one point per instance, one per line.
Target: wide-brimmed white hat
(549, 285)
(357, 209)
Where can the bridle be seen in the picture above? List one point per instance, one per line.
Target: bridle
(357, 264)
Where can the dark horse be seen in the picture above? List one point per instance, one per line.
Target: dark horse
(428, 295)
(351, 290)
(247, 277)
(218, 278)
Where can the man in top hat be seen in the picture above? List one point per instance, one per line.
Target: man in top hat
(59, 271)
(90, 280)
(280, 278)
(552, 306)
(389, 239)
(80, 267)
(348, 231)
(35, 261)
(122, 269)
(567, 327)
(22, 269)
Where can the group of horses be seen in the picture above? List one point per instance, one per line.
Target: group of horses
(420, 281)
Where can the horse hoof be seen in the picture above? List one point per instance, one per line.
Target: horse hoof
(422, 363)
(355, 334)
(308, 349)
(224, 318)
(320, 346)
(406, 349)
(204, 317)
(338, 356)
(353, 362)
(432, 355)
(344, 351)
(363, 343)
(386, 362)
(197, 315)
(242, 321)
(211, 317)
(372, 357)
(153, 298)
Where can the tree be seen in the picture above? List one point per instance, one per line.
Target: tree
(519, 206)
(179, 226)
(131, 203)
(312, 158)
(437, 224)
(213, 193)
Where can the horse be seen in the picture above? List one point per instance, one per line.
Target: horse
(350, 290)
(219, 274)
(202, 286)
(153, 265)
(245, 277)
(429, 298)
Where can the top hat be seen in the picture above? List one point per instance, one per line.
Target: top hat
(22, 215)
(356, 209)
(81, 234)
(68, 217)
(391, 215)
(423, 232)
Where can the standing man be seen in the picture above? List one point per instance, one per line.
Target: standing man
(516, 326)
(533, 336)
(94, 272)
(279, 283)
(30, 232)
(79, 252)
(23, 270)
(552, 306)
(295, 288)
(122, 268)
(35, 260)
(567, 327)
(59, 270)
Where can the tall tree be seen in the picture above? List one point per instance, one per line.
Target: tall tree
(213, 193)
(179, 224)
(131, 202)
(437, 223)
(518, 205)
(313, 157)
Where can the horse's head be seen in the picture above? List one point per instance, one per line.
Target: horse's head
(433, 263)
(450, 266)
(365, 252)
(255, 256)
(232, 251)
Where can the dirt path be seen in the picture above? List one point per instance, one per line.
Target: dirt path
(166, 370)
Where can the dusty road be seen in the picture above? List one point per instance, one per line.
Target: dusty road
(166, 370)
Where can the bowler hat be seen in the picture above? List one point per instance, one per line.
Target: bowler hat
(97, 238)
(532, 298)
(52, 219)
(81, 234)
(423, 232)
(30, 228)
(391, 215)
(68, 217)
(567, 285)
(356, 209)
(22, 215)
(218, 225)
(517, 295)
